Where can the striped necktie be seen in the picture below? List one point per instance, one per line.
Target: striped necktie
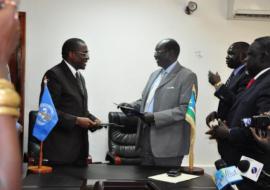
(250, 83)
(229, 80)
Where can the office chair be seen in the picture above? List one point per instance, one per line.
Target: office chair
(32, 155)
(121, 141)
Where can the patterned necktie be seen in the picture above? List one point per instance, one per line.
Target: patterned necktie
(227, 84)
(79, 81)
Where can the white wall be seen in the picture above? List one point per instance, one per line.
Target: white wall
(121, 35)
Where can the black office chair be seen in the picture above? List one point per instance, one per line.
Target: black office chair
(32, 155)
(121, 141)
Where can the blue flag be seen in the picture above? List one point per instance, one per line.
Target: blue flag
(47, 116)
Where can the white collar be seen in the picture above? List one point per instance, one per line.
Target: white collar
(71, 68)
(261, 72)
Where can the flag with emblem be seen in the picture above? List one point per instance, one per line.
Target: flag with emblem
(191, 119)
(191, 109)
(47, 116)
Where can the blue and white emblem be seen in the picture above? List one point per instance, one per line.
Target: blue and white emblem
(45, 114)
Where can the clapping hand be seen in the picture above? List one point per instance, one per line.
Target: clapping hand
(220, 131)
(213, 79)
(210, 118)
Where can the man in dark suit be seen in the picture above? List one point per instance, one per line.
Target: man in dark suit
(228, 92)
(235, 84)
(254, 100)
(165, 134)
(68, 141)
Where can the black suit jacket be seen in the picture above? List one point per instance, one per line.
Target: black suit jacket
(252, 101)
(228, 93)
(67, 143)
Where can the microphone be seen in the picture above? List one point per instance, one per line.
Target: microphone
(250, 168)
(226, 177)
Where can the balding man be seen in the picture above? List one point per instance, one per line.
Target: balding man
(164, 135)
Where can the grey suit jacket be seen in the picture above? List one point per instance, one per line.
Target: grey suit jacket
(170, 135)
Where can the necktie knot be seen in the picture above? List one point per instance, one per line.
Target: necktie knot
(77, 75)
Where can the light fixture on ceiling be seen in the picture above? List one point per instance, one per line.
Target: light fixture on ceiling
(191, 7)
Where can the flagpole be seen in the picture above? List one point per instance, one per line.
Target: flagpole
(190, 118)
(191, 150)
(40, 168)
(40, 155)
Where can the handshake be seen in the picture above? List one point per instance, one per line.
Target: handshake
(130, 111)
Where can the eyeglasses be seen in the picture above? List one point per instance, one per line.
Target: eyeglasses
(160, 52)
(83, 54)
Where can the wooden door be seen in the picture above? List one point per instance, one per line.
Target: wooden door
(17, 68)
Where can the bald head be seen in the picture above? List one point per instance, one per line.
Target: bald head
(166, 52)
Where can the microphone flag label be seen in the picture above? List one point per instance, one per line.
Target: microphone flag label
(232, 174)
(254, 169)
(225, 176)
(220, 180)
(47, 116)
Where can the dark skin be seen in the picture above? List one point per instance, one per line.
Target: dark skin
(9, 35)
(78, 60)
(262, 138)
(234, 59)
(10, 159)
(220, 131)
(164, 59)
(256, 61)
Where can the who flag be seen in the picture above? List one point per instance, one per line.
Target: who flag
(191, 109)
(47, 116)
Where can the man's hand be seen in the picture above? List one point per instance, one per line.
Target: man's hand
(219, 132)
(148, 118)
(124, 105)
(211, 117)
(125, 108)
(97, 122)
(213, 78)
(262, 137)
(85, 122)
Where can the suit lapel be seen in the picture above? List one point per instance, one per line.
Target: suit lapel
(250, 90)
(236, 78)
(170, 76)
(148, 87)
(71, 78)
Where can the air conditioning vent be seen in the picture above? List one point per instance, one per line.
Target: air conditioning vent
(249, 9)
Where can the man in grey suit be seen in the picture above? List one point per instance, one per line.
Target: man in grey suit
(163, 133)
